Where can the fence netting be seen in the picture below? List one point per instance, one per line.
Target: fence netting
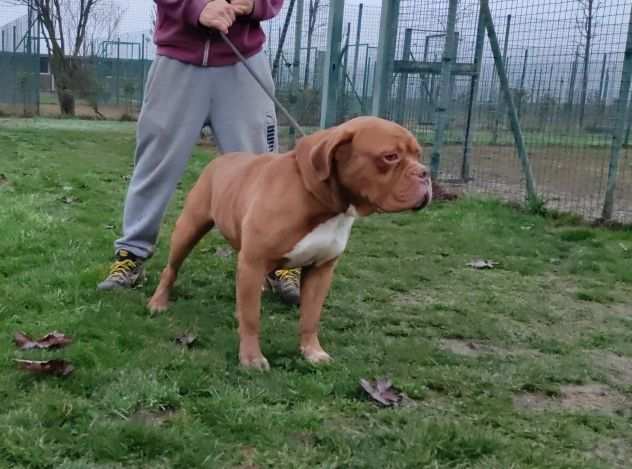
(564, 60)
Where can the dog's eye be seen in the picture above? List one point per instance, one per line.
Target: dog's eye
(391, 158)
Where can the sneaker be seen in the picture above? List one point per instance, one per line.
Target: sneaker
(286, 284)
(126, 272)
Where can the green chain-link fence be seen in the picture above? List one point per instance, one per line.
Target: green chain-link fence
(564, 61)
(19, 67)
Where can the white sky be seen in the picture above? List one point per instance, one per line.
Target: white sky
(136, 16)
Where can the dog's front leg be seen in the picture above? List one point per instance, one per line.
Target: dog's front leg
(250, 275)
(315, 285)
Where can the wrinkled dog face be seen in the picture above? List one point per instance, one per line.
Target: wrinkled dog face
(381, 166)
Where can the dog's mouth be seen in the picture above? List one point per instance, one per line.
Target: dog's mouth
(423, 204)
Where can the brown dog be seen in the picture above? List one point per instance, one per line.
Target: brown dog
(296, 210)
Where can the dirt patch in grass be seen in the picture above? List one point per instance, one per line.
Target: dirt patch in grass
(152, 418)
(412, 298)
(469, 348)
(248, 454)
(617, 367)
(569, 178)
(617, 453)
(472, 348)
(588, 397)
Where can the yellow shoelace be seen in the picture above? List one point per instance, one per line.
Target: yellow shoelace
(291, 276)
(121, 267)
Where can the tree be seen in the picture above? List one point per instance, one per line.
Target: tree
(314, 5)
(586, 27)
(103, 25)
(279, 52)
(153, 17)
(67, 25)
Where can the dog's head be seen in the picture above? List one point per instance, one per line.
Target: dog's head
(368, 162)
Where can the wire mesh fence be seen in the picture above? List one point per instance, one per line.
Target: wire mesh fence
(19, 66)
(564, 62)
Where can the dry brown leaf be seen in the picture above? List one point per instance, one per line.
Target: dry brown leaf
(482, 264)
(187, 340)
(69, 199)
(49, 367)
(52, 340)
(383, 392)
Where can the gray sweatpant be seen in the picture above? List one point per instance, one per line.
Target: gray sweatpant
(179, 99)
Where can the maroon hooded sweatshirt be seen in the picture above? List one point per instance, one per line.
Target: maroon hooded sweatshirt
(179, 35)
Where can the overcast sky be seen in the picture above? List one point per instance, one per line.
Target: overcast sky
(136, 17)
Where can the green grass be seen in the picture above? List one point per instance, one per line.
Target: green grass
(560, 296)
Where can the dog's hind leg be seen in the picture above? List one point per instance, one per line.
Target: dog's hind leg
(190, 228)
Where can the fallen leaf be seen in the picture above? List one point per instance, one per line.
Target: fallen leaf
(52, 340)
(186, 340)
(223, 252)
(49, 367)
(383, 392)
(69, 199)
(482, 264)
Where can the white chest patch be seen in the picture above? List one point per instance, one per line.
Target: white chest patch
(327, 241)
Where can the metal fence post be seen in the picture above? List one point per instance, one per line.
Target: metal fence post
(365, 81)
(617, 136)
(402, 90)
(522, 79)
(513, 114)
(296, 65)
(142, 75)
(628, 131)
(331, 70)
(385, 57)
(357, 46)
(118, 69)
(443, 103)
(342, 97)
(571, 85)
(469, 135)
(499, 118)
(603, 76)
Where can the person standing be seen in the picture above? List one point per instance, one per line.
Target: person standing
(196, 78)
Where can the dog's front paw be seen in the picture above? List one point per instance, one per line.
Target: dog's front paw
(316, 355)
(255, 362)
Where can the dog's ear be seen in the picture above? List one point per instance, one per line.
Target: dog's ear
(315, 153)
(315, 156)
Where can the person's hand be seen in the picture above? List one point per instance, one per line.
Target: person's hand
(243, 7)
(218, 14)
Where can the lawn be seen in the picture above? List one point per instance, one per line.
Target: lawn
(528, 365)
